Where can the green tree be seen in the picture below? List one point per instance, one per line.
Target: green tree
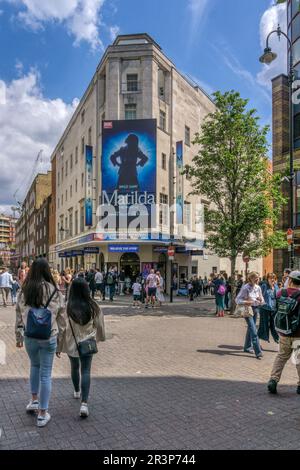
(232, 171)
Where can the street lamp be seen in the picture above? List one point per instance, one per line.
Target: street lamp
(268, 57)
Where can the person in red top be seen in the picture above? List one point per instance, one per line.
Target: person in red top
(286, 342)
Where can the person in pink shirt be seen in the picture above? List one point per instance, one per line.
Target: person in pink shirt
(152, 282)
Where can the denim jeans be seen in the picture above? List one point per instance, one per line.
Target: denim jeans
(251, 335)
(41, 355)
(85, 363)
(112, 290)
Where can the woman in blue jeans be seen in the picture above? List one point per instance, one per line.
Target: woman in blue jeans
(85, 321)
(39, 291)
(251, 295)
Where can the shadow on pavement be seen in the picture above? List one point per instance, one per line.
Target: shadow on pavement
(155, 413)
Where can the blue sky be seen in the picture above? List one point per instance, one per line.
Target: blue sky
(50, 49)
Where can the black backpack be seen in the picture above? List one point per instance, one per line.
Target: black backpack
(287, 319)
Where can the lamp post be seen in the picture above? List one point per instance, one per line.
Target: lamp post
(268, 57)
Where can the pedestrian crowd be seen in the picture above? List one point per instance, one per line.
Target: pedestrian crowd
(276, 304)
(56, 313)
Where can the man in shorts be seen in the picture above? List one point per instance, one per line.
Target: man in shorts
(152, 283)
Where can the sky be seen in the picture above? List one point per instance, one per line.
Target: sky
(50, 49)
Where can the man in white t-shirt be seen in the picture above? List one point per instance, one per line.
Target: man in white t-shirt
(6, 285)
(99, 281)
(137, 289)
(152, 282)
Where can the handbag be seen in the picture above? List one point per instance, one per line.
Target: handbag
(86, 347)
(243, 311)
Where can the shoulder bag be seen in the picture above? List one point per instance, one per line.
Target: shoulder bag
(86, 347)
(243, 311)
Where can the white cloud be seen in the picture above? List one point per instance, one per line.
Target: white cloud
(197, 7)
(198, 10)
(29, 122)
(271, 18)
(113, 32)
(232, 62)
(82, 18)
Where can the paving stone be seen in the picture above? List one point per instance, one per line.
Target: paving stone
(171, 378)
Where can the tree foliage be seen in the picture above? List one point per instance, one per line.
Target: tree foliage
(231, 170)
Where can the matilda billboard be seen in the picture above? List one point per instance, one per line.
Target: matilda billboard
(129, 161)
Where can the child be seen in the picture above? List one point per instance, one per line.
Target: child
(137, 289)
(14, 289)
(85, 323)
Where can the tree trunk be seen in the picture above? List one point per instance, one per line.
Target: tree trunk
(233, 286)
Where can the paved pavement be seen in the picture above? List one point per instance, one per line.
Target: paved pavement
(170, 378)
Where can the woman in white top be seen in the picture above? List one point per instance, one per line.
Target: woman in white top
(160, 289)
(251, 295)
(85, 321)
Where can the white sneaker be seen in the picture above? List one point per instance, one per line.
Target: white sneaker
(42, 421)
(84, 411)
(32, 406)
(76, 395)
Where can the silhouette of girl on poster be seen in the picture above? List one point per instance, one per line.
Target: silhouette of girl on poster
(128, 159)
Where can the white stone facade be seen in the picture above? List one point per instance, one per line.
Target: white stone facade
(157, 88)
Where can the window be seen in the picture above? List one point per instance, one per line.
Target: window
(297, 126)
(187, 216)
(81, 219)
(76, 155)
(130, 111)
(62, 173)
(82, 179)
(71, 162)
(162, 120)
(90, 136)
(66, 169)
(58, 179)
(164, 161)
(66, 195)
(194, 270)
(66, 224)
(163, 209)
(295, 7)
(76, 186)
(82, 146)
(163, 198)
(71, 224)
(76, 223)
(296, 50)
(82, 116)
(71, 191)
(187, 136)
(62, 199)
(132, 82)
(161, 83)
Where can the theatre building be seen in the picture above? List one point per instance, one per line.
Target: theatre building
(120, 197)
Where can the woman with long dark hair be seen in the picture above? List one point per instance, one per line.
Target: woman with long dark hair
(40, 323)
(85, 328)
